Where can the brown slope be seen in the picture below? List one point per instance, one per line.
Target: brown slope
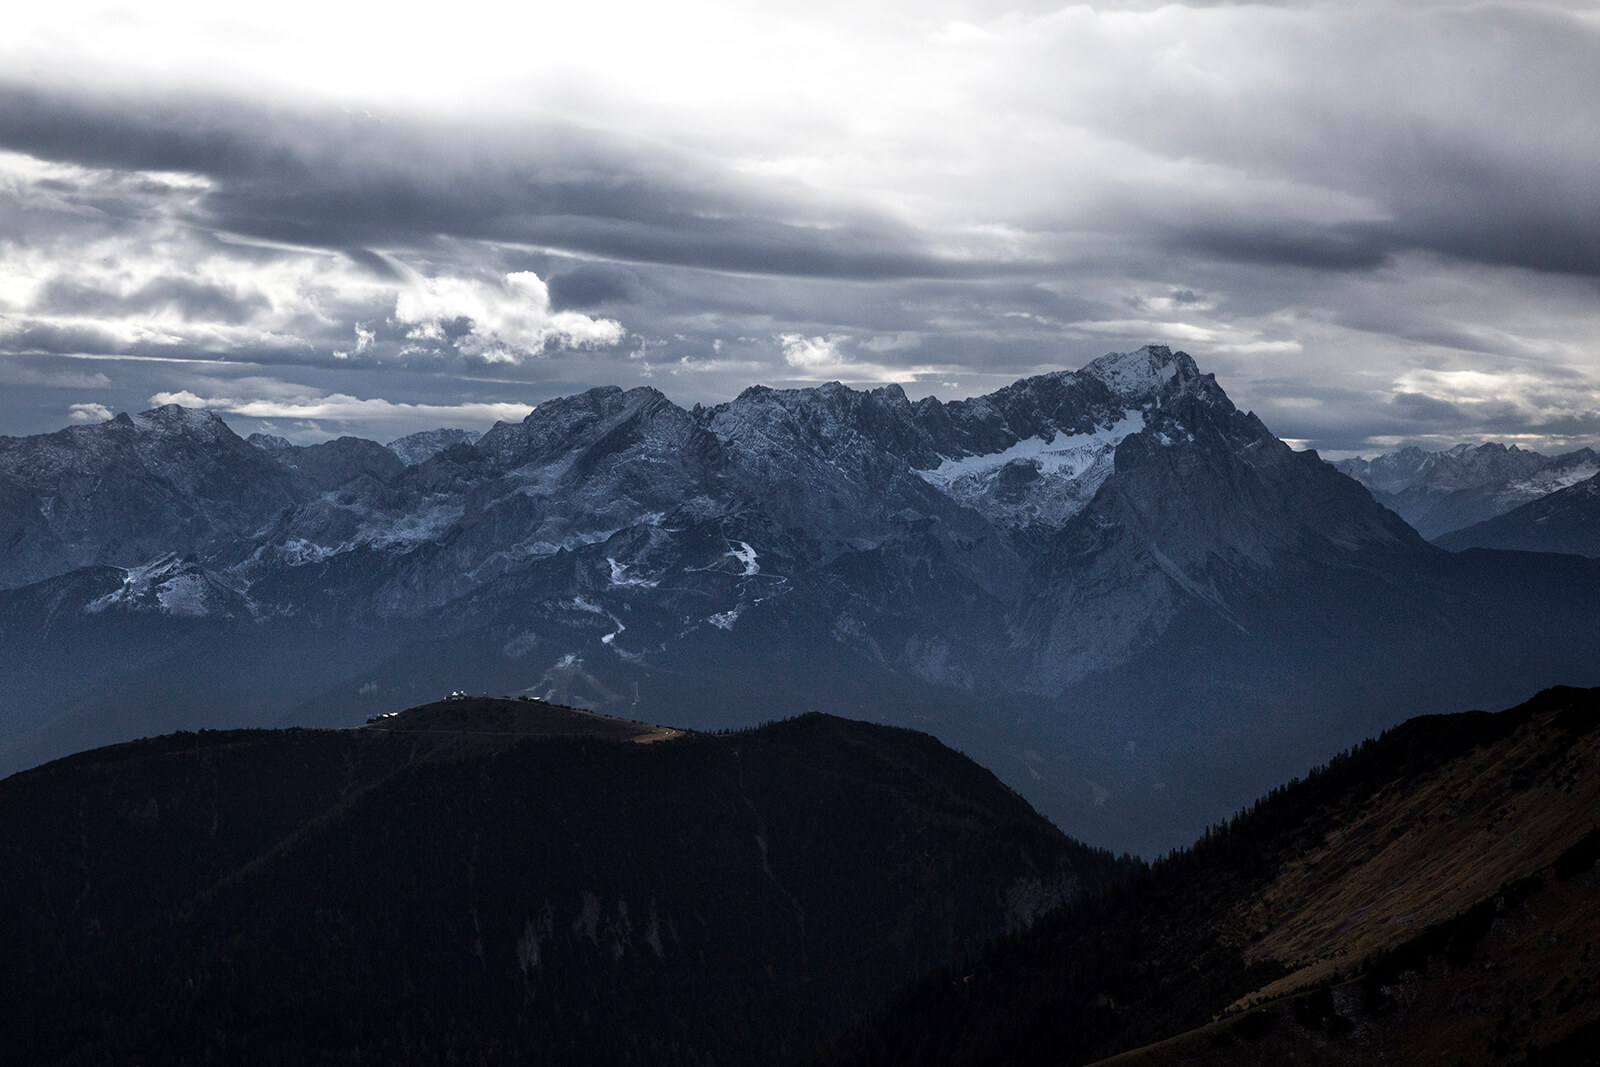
(1464, 903)
(1431, 892)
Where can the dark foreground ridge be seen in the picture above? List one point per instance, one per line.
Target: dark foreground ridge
(495, 881)
(1427, 897)
(481, 721)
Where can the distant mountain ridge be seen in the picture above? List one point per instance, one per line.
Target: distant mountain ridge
(1567, 520)
(1440, 492)
(1099, 581)
(415, 448)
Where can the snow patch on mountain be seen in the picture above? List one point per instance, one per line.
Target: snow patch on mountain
(184, 595)
(1039, 479)
(136, 582)
(427, 522)
(1069, 454)
(1553, 480)
(270, 442)
(747, 556)
(171, 585)
(173, 420)
(297, 551)
(620, 576)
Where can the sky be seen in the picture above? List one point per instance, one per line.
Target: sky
(1378, 223)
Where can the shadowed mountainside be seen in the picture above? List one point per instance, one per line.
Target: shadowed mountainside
(484, 881)
(1429, 895)
(1564, 521)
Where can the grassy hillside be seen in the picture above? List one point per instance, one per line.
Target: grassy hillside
(1430, 893)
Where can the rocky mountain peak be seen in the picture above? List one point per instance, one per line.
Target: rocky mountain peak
(892, 394)
(1144, 373)
(175, 419)
(271, 442)
(416, 448)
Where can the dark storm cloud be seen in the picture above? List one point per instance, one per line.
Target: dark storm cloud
(1460, 194)
(1448, 201)
(1422, 408)
(354, 182)
(191, 300)
(1535, 236)
(374, 264)
(1463, 130)
(593, 285)
(1331, 248)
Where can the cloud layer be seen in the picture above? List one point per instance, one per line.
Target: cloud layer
(1377, 223)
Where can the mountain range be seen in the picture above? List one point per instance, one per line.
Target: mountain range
(1441, 492)
(1567, 520)
(1112, 586)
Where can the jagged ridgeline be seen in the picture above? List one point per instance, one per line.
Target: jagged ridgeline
(1441, 492)
(498, 881)
(1106, 584)
(1428, 897)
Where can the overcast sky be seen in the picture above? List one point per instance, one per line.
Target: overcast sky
(1377, 223)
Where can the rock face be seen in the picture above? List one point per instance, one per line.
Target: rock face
(1099, 581)
(1439, 492)
(416, 447)
(131, 489)
(1565, 521)
(335, 463)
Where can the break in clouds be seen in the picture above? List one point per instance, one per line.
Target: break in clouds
(1377, 224)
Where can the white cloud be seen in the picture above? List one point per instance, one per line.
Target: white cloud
(152, 280)
(1151, 328)
(374, 413)
(811, 353)
(364, 339)
(508, 321)
(89, 412)
(1528, 394)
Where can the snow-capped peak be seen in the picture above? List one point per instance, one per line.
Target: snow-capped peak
(1142, 373)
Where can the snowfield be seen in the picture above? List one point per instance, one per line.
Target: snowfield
(1066, 471)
